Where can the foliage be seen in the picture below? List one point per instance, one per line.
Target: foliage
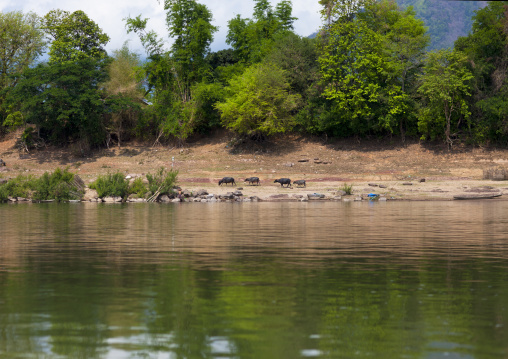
(162, 182)
(64, 100)
(347, 188)
(259, 103)
(252, 39)
(114, 185)
(58, 185)
(370, 55)
(20, 186)
(124, 93)
(138, 188)
(487, 50)
(445, 87)
(75, 36)
(172, 75)
(21, 44)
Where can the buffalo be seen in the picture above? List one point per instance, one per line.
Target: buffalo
(252, 180)
(2, 163)
(283, 181)
(300, 183)
(227, 180)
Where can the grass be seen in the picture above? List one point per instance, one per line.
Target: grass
(348, 188)
(111, 185)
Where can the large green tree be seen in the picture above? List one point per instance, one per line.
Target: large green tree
(74, 36)
(487, 50)
(252, 39)
(64, 97)
(260, 102)
(173, 74)
(446, 85)
(21, 44)
(370, 55)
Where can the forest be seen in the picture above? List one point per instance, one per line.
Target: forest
(370, 72)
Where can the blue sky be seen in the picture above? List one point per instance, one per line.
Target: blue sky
(108, 14)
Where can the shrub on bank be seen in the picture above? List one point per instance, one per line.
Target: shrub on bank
(21, 186)
(138, 188)
(113, 185)
(59, 185)
(162, 182)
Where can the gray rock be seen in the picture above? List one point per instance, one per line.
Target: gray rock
(237, 193)
(382, 186)
(254, 198)
(201, 192)
(164, 198)
(176, 200)
(110, 199)
(382, 199)
(304, 199)
(336, 198)
(373, 184)
(407, 184)
(341, 193)
(346, 200)
(204, 201)
(186, 193)
(358, 199)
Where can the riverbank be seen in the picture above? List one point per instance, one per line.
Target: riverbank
(388, 169)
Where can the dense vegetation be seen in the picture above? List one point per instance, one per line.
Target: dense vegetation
(369, 72)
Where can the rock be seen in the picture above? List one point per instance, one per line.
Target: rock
(298, 196)
(382, 199)
(228, 195)
(237, 193)
(303, 160)
(213, 199)
(247, 200)
(421, 180)
(347, 200)
(137, 200)
(315, 196)
(23, 199)
(341, 193)
(254, 198)
(176, 200)
(336, 198)
(278, 196)
(186, 193)
(407, 184)
(373, 185)
(304, 199)
(13, 199)
(164, 198)
(239, 189)
(289, 164)
(90, 194)
(358, 199)
(201, 192)
(382, 186)
(110, 199)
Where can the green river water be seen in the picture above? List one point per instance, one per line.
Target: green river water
(254, 280)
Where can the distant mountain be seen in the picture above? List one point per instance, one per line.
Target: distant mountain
(446, 20)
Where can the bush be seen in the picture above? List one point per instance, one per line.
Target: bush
(58, 185)
(21, 186)
(138, 188)
(348, 188)
(114, 185)
(162, 182)
(4, 196)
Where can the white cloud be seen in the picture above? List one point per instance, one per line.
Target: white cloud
(109, 15)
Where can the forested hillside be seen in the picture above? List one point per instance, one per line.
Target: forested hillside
(368, 73)
(446, 20)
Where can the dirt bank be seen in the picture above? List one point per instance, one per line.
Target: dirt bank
(325, 165)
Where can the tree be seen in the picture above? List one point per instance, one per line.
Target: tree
(370, 55)
(253, 38)
(64, 98)
(124, 93)
(445, 87)
(74, 36)
(21, 44)
(173, 74)
(260, 102)
(487, 50)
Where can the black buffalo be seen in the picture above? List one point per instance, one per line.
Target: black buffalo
(2, 163)
(252, 180)
(300, 183)
(283, 181)
(227, 180)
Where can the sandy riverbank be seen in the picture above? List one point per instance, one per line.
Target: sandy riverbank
(326, 166)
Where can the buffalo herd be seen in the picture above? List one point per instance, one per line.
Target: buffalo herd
(255, 181)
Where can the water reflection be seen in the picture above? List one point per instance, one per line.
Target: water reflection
(254, 280)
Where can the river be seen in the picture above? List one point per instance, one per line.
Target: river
(254, 280)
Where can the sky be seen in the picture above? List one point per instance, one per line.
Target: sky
(109, 15)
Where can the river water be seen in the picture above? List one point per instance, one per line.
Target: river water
(254, 280)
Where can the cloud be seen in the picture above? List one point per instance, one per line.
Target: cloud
(109, 15)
